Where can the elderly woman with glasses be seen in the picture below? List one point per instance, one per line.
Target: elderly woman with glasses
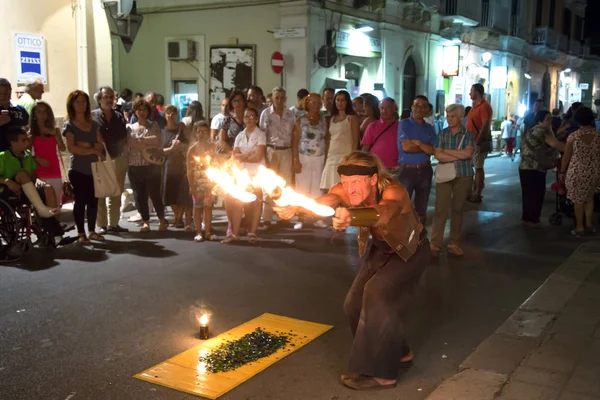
(248, 149)
(453, 149)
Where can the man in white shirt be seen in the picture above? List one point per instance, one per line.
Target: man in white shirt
(277, 122)
(508, 135)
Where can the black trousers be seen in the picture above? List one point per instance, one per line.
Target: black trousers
(375, 304)
(85, 200)
(146, 183)
(533, 189)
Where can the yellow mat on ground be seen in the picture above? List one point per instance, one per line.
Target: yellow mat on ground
(186, 373)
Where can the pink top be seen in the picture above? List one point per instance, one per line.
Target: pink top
(386, 147)
(45, 147)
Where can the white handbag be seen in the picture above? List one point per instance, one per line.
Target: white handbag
(105, 177)
(446, 172)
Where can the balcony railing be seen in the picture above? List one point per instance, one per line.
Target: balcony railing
(563, 42)
(585, 51)
(466, 11)
(575, 47)
(546, 37)
(514, 26)
(486, 15)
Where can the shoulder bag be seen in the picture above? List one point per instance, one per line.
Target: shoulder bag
(67, 195)
(486, 142)
(446, 172)
(382, 132)
(153, 155)
(105, 177)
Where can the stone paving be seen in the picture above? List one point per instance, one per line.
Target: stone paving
(549, 349)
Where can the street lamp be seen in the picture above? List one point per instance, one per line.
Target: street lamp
(568, 70)
(527, 76)
(486, 57)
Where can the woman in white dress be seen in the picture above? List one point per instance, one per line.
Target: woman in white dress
(342, 139)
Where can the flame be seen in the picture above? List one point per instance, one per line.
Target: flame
(283, 195)
(230, 179)
(203, 320)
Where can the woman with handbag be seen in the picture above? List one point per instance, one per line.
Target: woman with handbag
(145, 158)
(453, 179)
(85, 144)
(47, 143)
(538, 155)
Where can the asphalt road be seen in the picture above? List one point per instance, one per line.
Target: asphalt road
(78, 323)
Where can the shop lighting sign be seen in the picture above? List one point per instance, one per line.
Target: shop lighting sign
(499, 77)
(357, 43)
(450, 60)
(30, 57)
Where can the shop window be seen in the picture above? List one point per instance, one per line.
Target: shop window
(353, 73)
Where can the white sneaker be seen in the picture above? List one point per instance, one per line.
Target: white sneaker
(199, 238)
(320, 224)
(135, 218)
(298, 226)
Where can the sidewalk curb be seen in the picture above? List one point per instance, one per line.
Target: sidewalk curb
(486, 371)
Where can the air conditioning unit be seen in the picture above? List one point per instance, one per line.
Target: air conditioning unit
(119, 8)
(181, 50)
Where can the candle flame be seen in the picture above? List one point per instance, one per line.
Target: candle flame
(283, 195)
(203, 320)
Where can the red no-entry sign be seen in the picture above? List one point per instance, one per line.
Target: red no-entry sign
(277, 62)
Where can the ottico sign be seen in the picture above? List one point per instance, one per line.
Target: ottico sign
(30, 57)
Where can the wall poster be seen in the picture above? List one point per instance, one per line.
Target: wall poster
(231, 67)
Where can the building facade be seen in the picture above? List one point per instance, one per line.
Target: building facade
(66, 43)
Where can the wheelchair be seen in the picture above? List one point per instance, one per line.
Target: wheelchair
(21, 228)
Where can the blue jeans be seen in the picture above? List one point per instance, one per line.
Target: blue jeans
(417, 182)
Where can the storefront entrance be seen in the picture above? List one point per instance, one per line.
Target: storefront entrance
(409, 83)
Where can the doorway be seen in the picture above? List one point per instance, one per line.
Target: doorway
(409, 83)
(546, 91)
(184, 92)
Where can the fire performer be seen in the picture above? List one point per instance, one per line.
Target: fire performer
(399, 252)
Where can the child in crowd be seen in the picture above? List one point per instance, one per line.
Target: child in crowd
(198, 160)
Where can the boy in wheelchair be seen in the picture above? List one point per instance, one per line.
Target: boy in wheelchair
(19, 185)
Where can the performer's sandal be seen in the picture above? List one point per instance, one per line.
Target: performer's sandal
(363, 382)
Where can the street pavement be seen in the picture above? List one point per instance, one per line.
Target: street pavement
(78, 323)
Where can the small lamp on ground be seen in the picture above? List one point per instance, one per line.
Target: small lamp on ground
(203, 321)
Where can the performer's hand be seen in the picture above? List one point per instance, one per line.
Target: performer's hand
(286, 212)
(341, 220)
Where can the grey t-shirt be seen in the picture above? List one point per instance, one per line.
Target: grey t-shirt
(82, 164)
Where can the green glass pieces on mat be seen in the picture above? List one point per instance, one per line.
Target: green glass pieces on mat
(247, 349)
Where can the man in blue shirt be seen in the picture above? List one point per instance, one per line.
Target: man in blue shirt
(10, 115)
(415, 147)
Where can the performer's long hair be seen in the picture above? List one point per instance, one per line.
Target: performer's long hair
(364, 159)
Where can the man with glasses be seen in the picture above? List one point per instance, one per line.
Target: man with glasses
(415, 147)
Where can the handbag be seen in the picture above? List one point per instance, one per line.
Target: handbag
(486, 142)
(446, 172)
(105, 177)
(154, 155)
(67, 195)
